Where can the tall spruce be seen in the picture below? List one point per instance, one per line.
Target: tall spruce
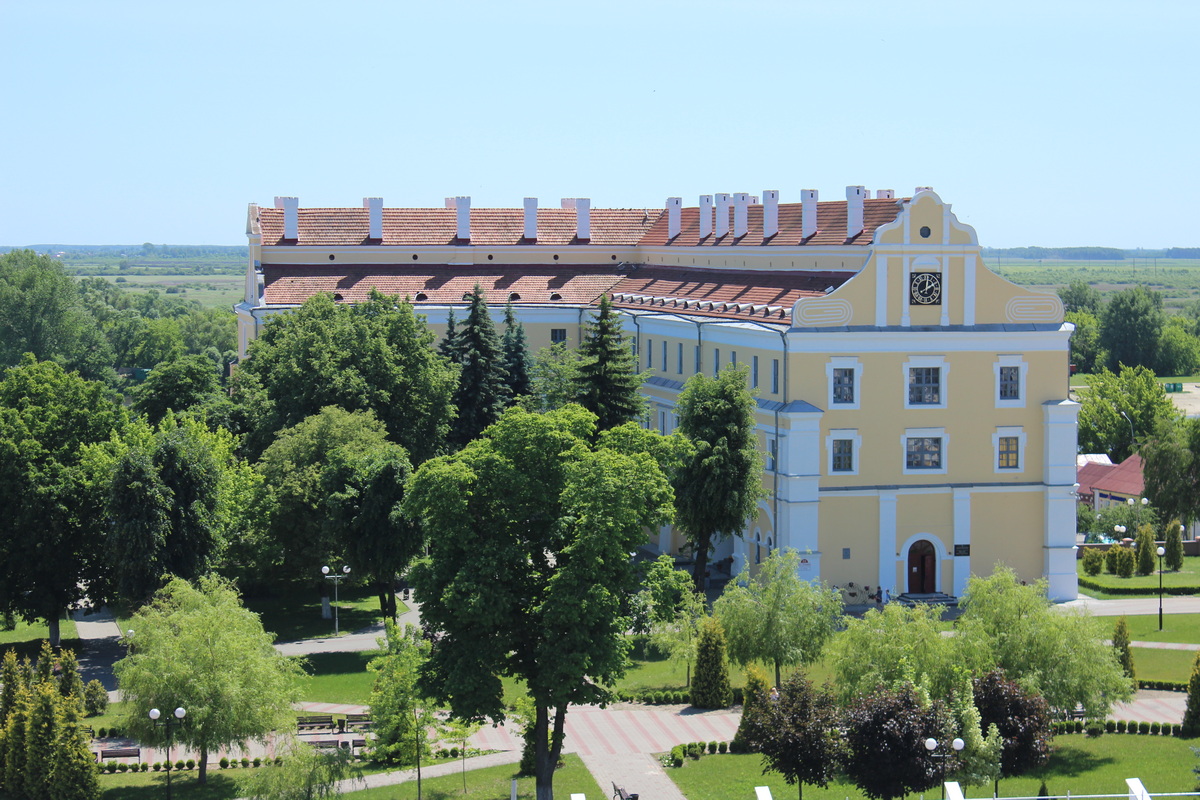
(482, 392)
(1173, 544)
(516, 354)
(448, 346)
(711, 688)
(1120, 643)
(606, 382)
(73, 774)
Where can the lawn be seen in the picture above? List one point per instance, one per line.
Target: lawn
(1078, 765)
(1183, 628)
(1188, 576)
(652, 672)
(293, 610)
(339, 678)
(1163, 665)
(492, 783)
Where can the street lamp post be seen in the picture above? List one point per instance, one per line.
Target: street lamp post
(931, 744)
(1119, 530)
(336, 578)
(1161, 552)
(155, 714)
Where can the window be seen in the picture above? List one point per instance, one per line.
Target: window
(697, 369)
(558, 335)
(733, 357)
(649, 354)
(664, 356)
(925, 450)
(1009, 446)
(924, 386)
(925, 379)
(662, 422)
(680, 369)
(772, 454)
(716, 361)
(1008, 453)
(1010, 381)
(774, 376)
(754, 372)
(842, 447)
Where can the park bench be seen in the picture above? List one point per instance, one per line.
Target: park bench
(316, 722)
(619, 793)
(121, 752)
(353, 743)
(356, 722)
(325, 744)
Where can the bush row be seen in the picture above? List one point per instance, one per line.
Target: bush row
(667, 697)
(693, 750)
(1084, 583)
(111, 767)
(1169, 686)
(454, 752)
(1095, 728)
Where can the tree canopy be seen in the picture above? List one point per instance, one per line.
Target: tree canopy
(1132, 322)
(797, 734)
(1171, 467)
(197, 648)
(483, 391)
(1120, 410)
(606, 376)
(530, 529)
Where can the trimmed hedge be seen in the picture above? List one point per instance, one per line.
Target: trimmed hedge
(1135, 591)
(1059, 727)
(1169, 686)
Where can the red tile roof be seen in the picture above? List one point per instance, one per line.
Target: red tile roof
(293, 284)
(1124, 479)
(831, 226)
(336, 227)
(644, 287)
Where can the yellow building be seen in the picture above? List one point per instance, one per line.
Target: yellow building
(912, 404)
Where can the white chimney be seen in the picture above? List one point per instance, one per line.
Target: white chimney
(770, 212)
(741, 214)
(568, 202)
(374, 207)
(706, 211)
(674, 216)
(723, 204)
(808, 213)
(583, 217)
(854, 210)
(531, 218)
(885, 194)
(463, 206)
(291, 216)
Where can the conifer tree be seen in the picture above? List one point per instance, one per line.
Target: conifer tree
(516, 354)
(73, 773)
(40, 737)
(15, 729)
(606, 382)
(482, 392)
(1146, 550)
(11, 680)
(1191, 714)
(710, 688)
(754, 700)
(69, 681)
(1173, 544)
(1120, 640)
(448, 347)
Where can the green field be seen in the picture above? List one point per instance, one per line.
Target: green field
(1147, 584)
(1178, 280)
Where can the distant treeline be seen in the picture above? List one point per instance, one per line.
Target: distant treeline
(147, 249)
(1087, 253)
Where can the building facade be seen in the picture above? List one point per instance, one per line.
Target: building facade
(912, 404)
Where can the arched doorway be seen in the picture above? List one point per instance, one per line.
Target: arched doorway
(922, 568)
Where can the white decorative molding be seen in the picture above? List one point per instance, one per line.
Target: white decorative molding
(1032, 308)
(821, 312)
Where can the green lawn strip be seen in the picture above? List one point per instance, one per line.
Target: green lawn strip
(152, 785)
(1078, 765)
(490, 783)
(1184, 628)
(338, 678)
(28, 637)
(1189, 576)
(1162, 665)
(294, 611)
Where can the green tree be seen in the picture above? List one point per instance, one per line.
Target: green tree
(755, 698)
(483, 390)
(48, 549)
(1191, 712)
(979, 760)
(73, 774)
(606, 379)
(1060, 655)
(777, 617)
(304, 774)
(1146, 549)
(1173, 544)
(399, 717)
(1120, 643)
(1131, 324)
(1085, 354)
(1119, 411)
(892, 647)
(885, 740)
(797, 734)
(554, 375)
(530, 531)
(376, 355)
(177, 385)
(1022, 717)
(197, 647)
(448, 346)
(40, 739)
(1178, 348)
(711, 689)
(1171, 467)
(1080, 296)
(1123, 561)
(718, 489)
(516, 355)
(675, 636)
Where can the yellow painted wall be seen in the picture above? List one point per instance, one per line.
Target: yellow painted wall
(849, 522)
(1007, 528)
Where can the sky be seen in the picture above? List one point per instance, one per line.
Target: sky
(1053, 123)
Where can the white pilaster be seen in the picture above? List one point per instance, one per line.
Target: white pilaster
(944, 266)
(969, 268)
(1061, 423)
(962, 536)
(905, 319)
(887, 543)
(881, 290)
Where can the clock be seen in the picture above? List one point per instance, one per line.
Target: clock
(925, 289)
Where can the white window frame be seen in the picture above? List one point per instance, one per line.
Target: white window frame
(926, 362)
(554, 335)
(1005, 432)
(842, 434)
(924, 433)
(1023, 370)
(845, 362)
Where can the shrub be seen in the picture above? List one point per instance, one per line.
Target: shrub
(677, 756)
(1120, 726)
(144, 766)
(278, 760)
(710, 684)
(122, 767)
(1094, 729)
(110, 767)
(1110, 726)
(224, 762)
(1147, 556)
(454, 752)
(95, 698)
(245, 763)
(1125, 562)
(1173, 544)
(191, 763)
(101, 733)
(722, 747)
(1093, 561)
(257, 761)
(1155, 728)
(712, 748)
(157, 766)
(1191, 714)
(1143, 728)
(1110, 559)
(179, 764)
(1079, 726)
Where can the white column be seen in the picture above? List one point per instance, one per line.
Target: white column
(1059, 465)
(969, 267)
(887, 543)
(962, 536)
(881, 290)
(905, 319)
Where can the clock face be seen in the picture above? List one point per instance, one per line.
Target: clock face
(925, 289)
